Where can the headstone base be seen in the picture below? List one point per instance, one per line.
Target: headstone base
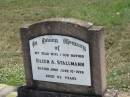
(24, 91)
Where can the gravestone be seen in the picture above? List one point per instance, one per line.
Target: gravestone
(64, 58)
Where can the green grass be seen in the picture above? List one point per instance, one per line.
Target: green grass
(114, 15)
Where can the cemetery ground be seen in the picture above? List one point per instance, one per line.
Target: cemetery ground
(113, 15)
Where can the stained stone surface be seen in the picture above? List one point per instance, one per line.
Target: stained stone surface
(28, 92)
(81, 30)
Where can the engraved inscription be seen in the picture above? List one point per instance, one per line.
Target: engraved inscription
(60, 59)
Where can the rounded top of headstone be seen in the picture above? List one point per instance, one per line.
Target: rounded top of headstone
(81, 23)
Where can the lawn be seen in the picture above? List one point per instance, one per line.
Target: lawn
(114, 15)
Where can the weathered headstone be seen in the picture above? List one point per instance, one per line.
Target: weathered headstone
(63, 58)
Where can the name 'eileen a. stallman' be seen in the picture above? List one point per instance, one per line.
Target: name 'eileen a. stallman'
(59, 62)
